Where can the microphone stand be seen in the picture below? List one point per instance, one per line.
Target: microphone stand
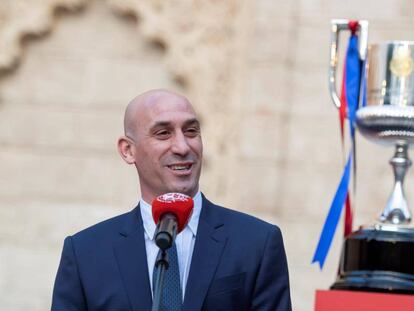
(161, 264)
(164, 238)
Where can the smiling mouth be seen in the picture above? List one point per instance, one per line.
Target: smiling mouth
(180, 167)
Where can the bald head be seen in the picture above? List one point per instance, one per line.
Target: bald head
(139, 107)
(163, 140)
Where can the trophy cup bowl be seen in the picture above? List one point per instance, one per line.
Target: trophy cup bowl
(388, 117)
(380, 256)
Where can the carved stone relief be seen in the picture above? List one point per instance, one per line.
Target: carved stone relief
(20, 18)
(201, 40)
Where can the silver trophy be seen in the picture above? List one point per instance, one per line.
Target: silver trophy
(380, 256)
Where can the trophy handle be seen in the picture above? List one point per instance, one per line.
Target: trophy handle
(337, 25)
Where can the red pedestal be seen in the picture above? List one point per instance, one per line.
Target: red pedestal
(341, 300)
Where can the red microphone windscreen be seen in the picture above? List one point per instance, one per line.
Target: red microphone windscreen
(179, 204)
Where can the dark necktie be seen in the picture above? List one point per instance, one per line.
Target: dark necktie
(171, 298)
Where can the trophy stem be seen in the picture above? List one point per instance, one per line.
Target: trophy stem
(396, 211)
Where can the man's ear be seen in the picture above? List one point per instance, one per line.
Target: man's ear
(126, 149)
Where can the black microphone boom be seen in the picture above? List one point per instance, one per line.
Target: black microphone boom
(166, 231)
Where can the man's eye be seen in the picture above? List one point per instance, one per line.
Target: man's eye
(192, 132)
(162, 134)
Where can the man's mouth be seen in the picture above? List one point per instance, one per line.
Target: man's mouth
(180, 167)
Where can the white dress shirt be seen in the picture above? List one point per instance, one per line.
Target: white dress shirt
(184, 241)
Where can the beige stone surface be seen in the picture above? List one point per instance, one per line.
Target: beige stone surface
(256, 72)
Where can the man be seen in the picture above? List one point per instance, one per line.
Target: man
(225, 260)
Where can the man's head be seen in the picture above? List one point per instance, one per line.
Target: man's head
(163, 140)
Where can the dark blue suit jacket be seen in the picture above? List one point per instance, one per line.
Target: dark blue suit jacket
(238, 263)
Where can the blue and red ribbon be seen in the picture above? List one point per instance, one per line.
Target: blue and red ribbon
(349, 105)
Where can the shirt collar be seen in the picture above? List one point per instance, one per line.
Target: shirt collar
(148, 221)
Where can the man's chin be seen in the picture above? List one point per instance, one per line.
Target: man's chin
(185, 189)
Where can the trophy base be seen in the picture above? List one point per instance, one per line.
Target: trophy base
(377, 260)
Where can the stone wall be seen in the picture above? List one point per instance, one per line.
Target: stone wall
(256, 72)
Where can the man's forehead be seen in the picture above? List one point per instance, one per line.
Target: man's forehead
(157, 106)
(168, 103)
(168, 109)
(171, 118)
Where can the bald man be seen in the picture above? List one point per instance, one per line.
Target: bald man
(226, 260)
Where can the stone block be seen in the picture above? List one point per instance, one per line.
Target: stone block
(89, 177)
(258, 185)
(397, 29)
(311, 51)
(45, 223)
(268, 89)
(30, 126)
(307, 190)
(99, 130)
(380, 10)
(313, 139)
(117, 82)
(58, 83)
(271, 39)
(80, 30)
(267, 10)
(25, 269)
(262, 137)
(310, 94)
(305, 9)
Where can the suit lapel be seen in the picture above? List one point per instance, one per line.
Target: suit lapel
(132, 261)
(209, 245)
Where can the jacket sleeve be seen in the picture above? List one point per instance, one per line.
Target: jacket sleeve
(272, 283)
(68, 292)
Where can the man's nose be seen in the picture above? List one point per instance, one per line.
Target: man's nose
(180, 144)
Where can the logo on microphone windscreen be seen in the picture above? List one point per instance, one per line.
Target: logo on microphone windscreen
(178, 204)
(173, 197)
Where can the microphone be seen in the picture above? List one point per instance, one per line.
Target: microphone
(171, 212)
